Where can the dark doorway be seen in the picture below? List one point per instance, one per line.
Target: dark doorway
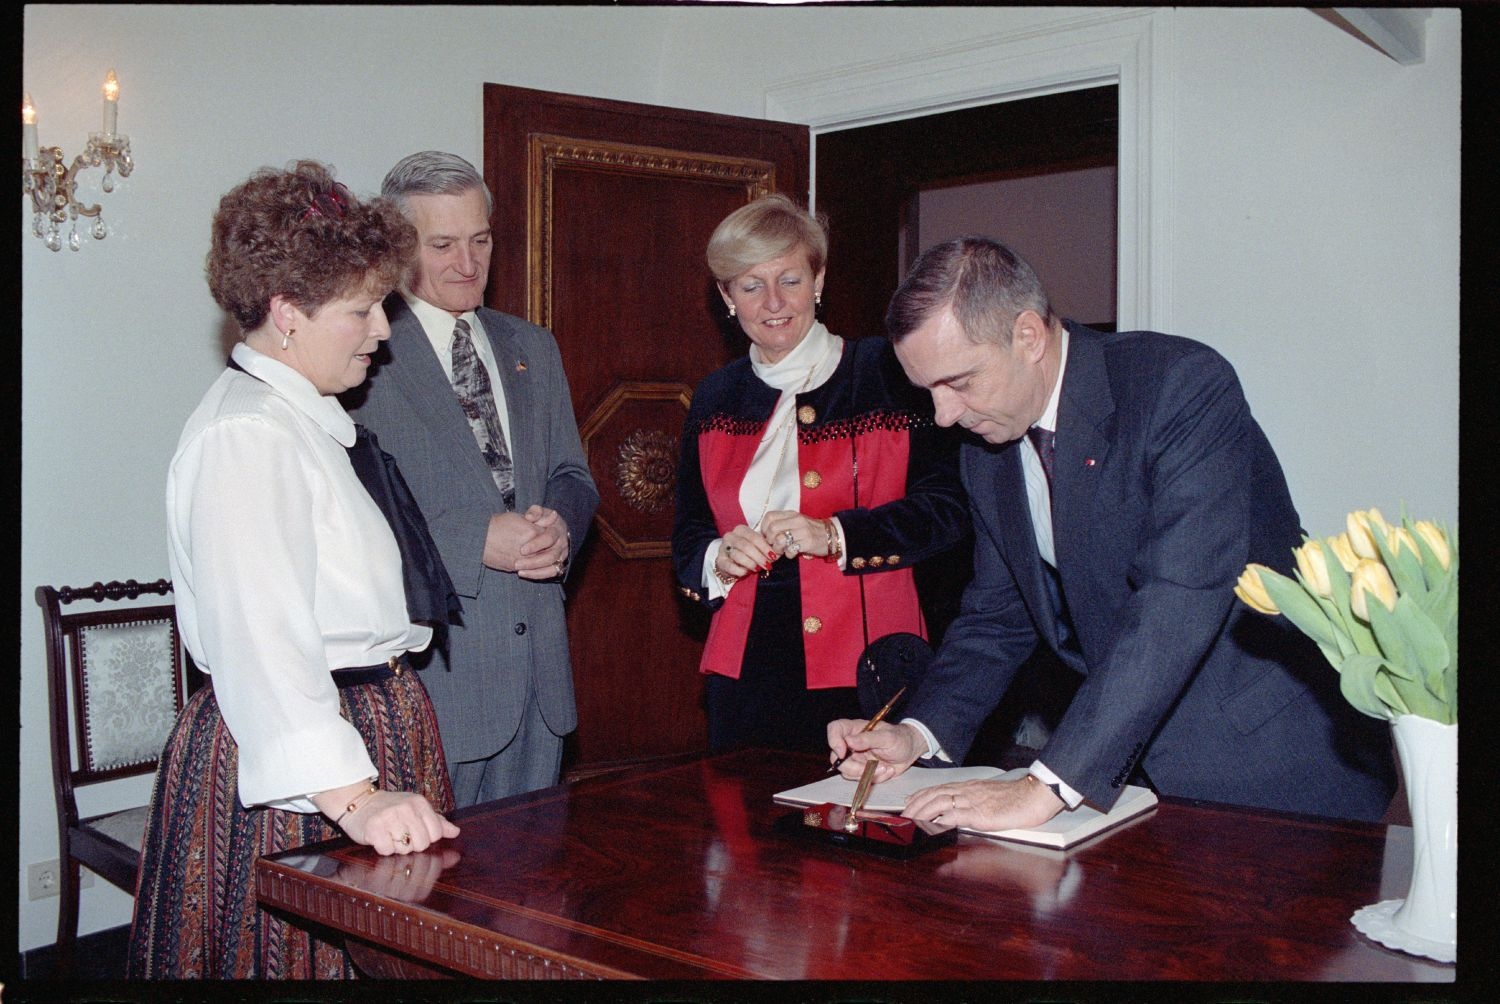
(869, 180)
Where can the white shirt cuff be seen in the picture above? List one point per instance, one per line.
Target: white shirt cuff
(713, 589)
(1070, 797)
(934, 749)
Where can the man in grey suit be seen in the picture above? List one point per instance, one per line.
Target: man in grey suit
(474, 405)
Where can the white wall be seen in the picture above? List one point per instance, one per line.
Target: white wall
(1315, 234)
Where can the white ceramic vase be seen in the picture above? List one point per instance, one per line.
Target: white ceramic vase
(1426, 921)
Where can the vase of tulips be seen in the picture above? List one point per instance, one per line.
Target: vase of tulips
(1381, 602)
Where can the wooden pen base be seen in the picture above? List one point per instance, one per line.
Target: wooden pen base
(871, 833)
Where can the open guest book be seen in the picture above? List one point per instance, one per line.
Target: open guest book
(1063, 830)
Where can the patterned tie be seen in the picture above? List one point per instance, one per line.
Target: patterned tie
(472, 385)
(1045, 441)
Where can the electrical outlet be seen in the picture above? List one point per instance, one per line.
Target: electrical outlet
(44, 879)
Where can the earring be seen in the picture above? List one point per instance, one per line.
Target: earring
(731, 310)
(818, 299)
(286, 337)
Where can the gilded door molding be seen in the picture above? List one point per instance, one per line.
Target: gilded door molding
(631, 441)
(549, 154)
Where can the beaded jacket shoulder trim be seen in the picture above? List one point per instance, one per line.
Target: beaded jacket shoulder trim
(844, 428)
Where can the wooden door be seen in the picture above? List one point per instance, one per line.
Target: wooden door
(602, 212)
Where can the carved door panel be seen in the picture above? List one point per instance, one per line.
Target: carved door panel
(602, 212)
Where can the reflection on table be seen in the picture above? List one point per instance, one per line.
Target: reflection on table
(676, 871)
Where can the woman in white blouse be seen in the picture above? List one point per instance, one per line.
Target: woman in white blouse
(290, 596)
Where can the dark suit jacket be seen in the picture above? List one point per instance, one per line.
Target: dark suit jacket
(1164, 486)
(511, 628)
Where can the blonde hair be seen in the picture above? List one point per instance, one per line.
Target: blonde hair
(763, 230)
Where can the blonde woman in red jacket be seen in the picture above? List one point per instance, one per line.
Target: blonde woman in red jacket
(812, 479)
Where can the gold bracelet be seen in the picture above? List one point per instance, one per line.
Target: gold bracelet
(354, 802)
(834, 550)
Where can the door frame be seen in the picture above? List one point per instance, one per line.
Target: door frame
(1131, 49)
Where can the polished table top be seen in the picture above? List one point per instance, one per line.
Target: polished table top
(674, 871)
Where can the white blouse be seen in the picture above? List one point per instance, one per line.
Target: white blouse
(284, 569)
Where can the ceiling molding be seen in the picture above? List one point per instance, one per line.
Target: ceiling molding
(1399, 32)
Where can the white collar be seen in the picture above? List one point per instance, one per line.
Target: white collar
(808, 365)
(323, 409)
(439, 323)
(1048, 420)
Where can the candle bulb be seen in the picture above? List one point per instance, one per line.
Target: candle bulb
(30, 149)
(111, 102)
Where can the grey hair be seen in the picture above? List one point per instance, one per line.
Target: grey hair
(985, 283)
(432, 172)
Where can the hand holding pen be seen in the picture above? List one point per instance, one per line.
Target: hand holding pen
(875, 720)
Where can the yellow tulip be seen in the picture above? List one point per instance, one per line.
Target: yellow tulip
(1371, 577)
(1398, 537)
(1362, 525)
(1313, 564)
(1252, 590)
(1430, 532)
(1343, 551)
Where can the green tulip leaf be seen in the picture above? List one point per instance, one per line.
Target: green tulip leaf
(1399, 701)
(1405, 570)
(1359, 633)
(1299, 607)
(1357, 683)
(1400, 657)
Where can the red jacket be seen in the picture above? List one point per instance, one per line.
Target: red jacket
(910, 504)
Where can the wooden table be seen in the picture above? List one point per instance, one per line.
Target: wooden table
(675, 872)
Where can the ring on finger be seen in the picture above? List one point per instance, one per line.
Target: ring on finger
(786, 535)
(729, 550)
(405, 840)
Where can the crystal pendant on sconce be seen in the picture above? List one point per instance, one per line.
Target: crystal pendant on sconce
(99, 229)
(108, 184)
(36, 225)
(74, 242)
(54, 241)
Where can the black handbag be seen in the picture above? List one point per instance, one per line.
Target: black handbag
(890, 662)
(886, 665)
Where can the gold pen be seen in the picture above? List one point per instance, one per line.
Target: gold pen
(861, 795)
(876, 720)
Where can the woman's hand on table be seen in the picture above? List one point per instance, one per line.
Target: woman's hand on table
(392, 822)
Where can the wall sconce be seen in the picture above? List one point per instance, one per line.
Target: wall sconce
(51, 185)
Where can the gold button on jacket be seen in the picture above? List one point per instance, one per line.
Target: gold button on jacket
(812, 479)
(812, 625)
(857, 562)
(807, 414)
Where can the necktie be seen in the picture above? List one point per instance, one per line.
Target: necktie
(429, 592)
(472, 385)
(1045, 441)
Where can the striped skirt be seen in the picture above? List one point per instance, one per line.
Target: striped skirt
(196, 914)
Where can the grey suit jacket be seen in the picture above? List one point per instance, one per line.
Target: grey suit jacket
(1164, 486)
(511, 628)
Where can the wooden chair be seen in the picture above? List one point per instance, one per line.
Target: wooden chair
(116, 678)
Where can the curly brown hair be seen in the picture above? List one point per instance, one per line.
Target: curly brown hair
(300, 234)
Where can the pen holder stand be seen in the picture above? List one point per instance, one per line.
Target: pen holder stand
(871, 832)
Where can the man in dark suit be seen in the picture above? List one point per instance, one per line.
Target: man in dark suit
(1118, 486)
(474, 405)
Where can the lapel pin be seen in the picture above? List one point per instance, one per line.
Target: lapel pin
(521, 368)
(1089, 462)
